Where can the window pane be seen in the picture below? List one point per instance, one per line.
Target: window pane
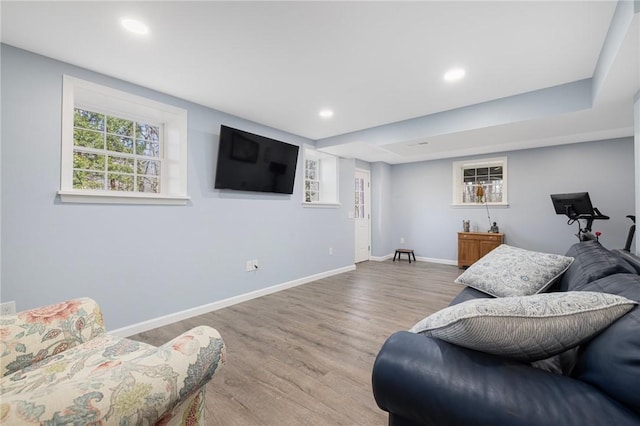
(148, 132)
(310, 170)
(469, 172)
(88, 120)
(87, 161)
(469, 179)
(482, 171)
(469, 194)
(120, 164)
(119, 182)
(359, 184)
(148, 148)
(149, 167)
(88, 138)
(311, 196)
(494, 193)
(87, 180)
(119, 144)
(148, 184)
(119, 126)
(312, 185)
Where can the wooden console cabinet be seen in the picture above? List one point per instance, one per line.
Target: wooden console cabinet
(473, 245)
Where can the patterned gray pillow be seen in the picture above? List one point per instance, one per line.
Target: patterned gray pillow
(527, 328)
(512, 271)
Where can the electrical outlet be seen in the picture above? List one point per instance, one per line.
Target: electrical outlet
(255, 264)
(331, 251)
(8, 308)
(401, 240)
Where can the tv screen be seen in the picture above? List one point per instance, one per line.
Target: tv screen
(574, 204)
(249, 162)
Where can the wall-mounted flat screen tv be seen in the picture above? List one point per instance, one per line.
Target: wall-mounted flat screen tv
(250, 162)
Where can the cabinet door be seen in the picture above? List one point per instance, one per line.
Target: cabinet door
(487, 245)
(468, 251)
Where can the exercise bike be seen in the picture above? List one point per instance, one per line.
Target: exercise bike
(632, 231)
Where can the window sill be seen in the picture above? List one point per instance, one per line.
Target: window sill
(480, 205)
(107, 197)
(322, 205)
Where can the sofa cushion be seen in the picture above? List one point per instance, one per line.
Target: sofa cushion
(526, 328)
(610, 361)
(592, 262)
(512, 271)
(632, 259)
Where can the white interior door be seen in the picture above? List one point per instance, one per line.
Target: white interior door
(362, 215)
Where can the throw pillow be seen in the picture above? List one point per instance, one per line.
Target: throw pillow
(512, 271)
(527, 328)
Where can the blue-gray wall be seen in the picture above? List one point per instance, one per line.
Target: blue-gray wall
(421, 196)
(142, 262)
(381, 210)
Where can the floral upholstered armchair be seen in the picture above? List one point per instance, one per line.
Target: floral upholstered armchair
(59, 367)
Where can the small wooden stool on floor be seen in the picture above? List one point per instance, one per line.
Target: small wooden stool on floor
(409, 254)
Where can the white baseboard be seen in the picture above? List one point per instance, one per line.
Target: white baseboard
(214, 306)
(418, 258)
(381, 258)
(434, 260)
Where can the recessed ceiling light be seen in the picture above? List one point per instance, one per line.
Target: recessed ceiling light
(134, 26)
(454, 74)
(326, 113)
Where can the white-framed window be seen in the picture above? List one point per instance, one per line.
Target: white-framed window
(478, 182)
(311, 180)
(320, 179)
(121, 148)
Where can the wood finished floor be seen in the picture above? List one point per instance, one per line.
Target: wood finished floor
(303, 356)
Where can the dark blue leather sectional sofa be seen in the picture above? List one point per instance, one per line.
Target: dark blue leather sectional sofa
(420, 380)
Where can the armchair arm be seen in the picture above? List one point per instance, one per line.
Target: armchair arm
(114, 380)
(195, 355)
(429, 381)
(33, 335)
(173, 373)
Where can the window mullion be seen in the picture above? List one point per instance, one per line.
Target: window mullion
(105, 179)
(135, 159)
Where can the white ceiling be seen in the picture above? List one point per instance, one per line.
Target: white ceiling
(373, 63)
